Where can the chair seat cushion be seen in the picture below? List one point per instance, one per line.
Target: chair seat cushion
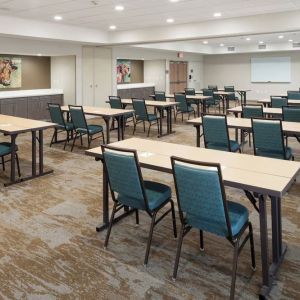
(5, 148)
(216, 146)
(275, 154)
(152, 117)
(189, 109)
(157, 194)
(238, 215)
(92, 129)
(69, 126)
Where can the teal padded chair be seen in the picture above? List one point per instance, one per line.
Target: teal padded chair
(203, 205)
(278, 102)
(215, 133)
(190, 91)
(128, 189)
(268, 139)
(291, 114)
(160, 96)
(57, 117)
(214, 100)
(5, 150)
(115, 102)
(183, 107)
(142, 115)
(231, 97)
(293, 95)
(82, 128)
(213, 87)
(251, 111)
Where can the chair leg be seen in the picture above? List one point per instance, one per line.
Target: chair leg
(182, 117)
(103, 138)
(18, 165)
(201, 241)
(144, 126)
(53, 136)
(149, 129)
(89, 141)
(110, 225)
(234, 268)
(3, 163)
(173, 218)
(157, 126)
(252, 247)
(81, 140)
(67, 140)
(74, 141)
(150, 239)
(178, 252)
(137, 219)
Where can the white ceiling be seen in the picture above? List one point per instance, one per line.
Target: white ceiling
(139, 13)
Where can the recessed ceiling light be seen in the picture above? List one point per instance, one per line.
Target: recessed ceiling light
(205, 42)
(170, 20)
(112, 27)
(119, 7)
(290, 40)
(173, 0)
(57, 18)
(39, 54)
(280, 36)
(248, 39)
(261, 42)
(222, 45)
(217, 14)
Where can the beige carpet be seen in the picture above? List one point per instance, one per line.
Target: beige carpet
(49, 248)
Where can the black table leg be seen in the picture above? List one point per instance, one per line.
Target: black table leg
(41, 152)
(13, 159)
(198, 136)
(33, 159)
(203, 106)
(161, 110)
(106, 120)
(198, 109)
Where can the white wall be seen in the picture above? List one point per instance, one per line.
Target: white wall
(47, 48)
(155, 71)
(235, 69)
(63, 76)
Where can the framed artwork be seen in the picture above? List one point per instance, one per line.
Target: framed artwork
(123, 71)
(10, 72)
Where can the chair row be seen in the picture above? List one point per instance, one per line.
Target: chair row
(201, 200)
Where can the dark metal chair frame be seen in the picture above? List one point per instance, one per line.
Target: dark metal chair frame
(152, 213)
(282, 137)
(89, 136)
(58, 129)
(234, 240)
(3, 161)
(183, 112)
(143, 121)
(227, 132)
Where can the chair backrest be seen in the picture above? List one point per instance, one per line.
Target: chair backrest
(278, 102)
(115, 102)
(267, 137)
(56, 114)
(190, 91)
(215, 132)
(229, 88)
(293, 95)
(78, 117)
(181, 99)
(208, 92)
(160, 96)
(252, 111)
(124, 176)
(213, 87)
(291, 113)
(201, 196)
(140, 109)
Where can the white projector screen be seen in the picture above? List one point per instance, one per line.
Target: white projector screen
(271, 69)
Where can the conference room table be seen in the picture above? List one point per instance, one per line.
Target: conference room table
(266, 177)
(160, 106)
(237, 111)
(107, 114)
(13, 126)
(199, 100)
(288, 128)
(267, 102)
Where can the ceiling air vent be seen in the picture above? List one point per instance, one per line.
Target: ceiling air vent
(262, 47)
(296, 45)
(231, 49)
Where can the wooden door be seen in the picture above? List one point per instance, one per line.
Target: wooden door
(178, 76)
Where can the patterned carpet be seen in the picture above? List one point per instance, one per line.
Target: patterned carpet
(49, 248)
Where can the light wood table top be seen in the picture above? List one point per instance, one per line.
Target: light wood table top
(152, 103)
(259, 174)
(14, 125)
(268, 101)
(244, 123)
(266, 110)
(101, 111)
(190, 97)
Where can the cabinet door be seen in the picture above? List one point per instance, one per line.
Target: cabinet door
(88, 76)
(103, 75)
(21, 109)
(34, 108)
(8, 107)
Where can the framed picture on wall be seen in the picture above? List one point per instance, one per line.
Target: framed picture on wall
(10, 72)
(123, 71)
